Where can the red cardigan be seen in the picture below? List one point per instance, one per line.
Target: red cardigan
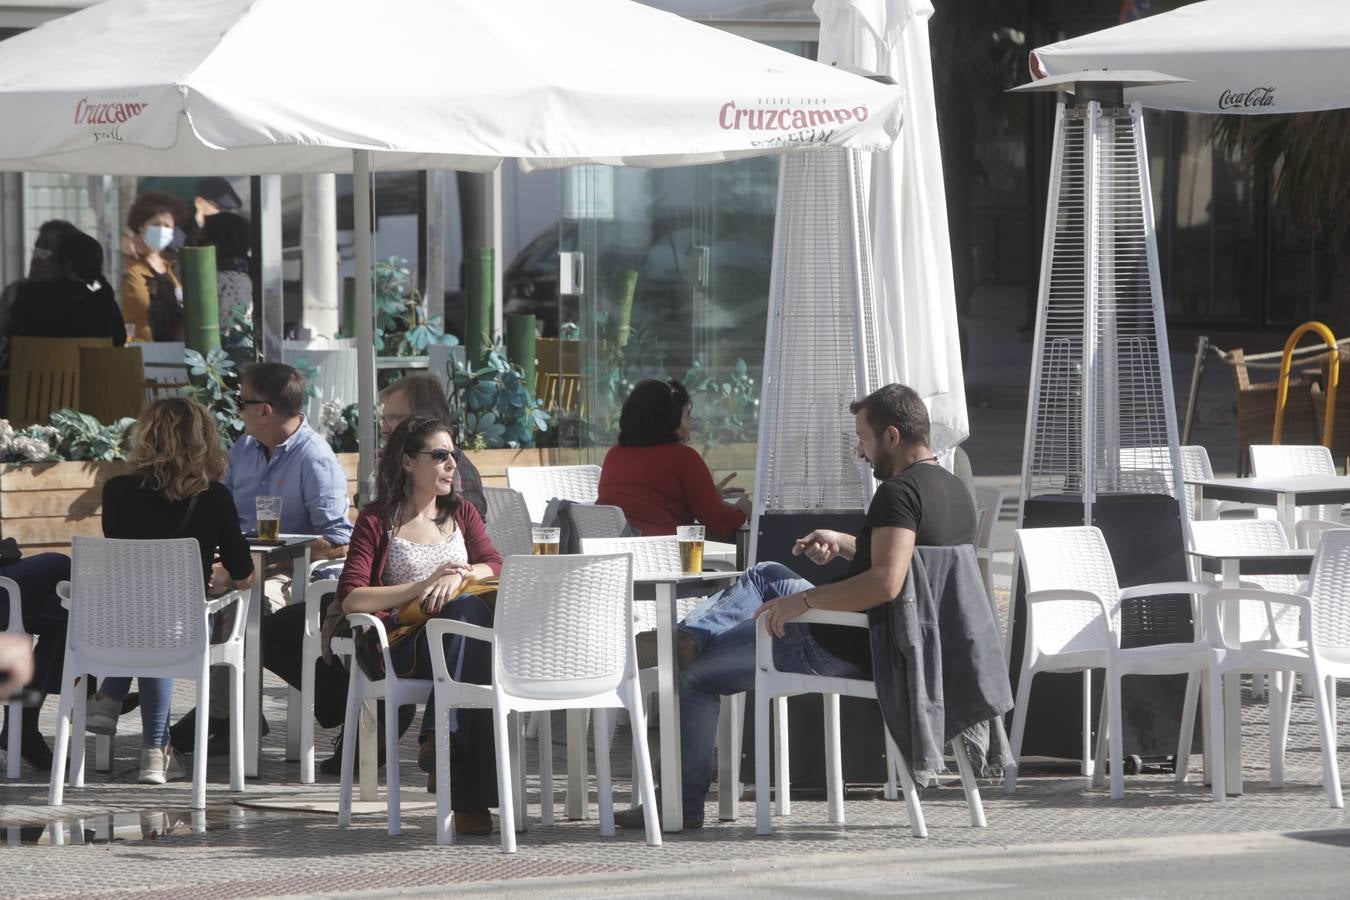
(664, 486)
(369, 548)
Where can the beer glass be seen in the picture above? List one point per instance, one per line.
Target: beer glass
(546, 541)
(691, 548)
(269, 518)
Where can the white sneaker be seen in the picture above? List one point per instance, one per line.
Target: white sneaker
(161, 764)
(101, 715)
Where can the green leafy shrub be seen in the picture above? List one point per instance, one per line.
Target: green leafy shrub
(493, 405)
(70, 435)
(402, 327)
(216, 386)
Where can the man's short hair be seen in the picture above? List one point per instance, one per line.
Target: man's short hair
(279, 384)
(424, 393)
(895, 405)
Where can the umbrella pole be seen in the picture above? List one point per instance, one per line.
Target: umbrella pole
(364, 239)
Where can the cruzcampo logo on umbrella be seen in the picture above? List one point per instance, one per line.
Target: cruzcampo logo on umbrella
(107, 113)
(786, 121)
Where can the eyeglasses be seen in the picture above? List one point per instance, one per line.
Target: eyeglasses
(438, 456)
(244, 401)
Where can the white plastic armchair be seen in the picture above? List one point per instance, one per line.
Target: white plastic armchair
(1308, 532)
(13, 626)
(1296, 460)
(310, 651)
(508, 521)
(139, 609)
(540, 484)
(564, 640)
(395, 692)
(597, 521)
(448, 694)
(1323, 659)
(1073, 625)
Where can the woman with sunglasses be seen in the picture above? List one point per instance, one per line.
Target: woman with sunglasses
(419, 552)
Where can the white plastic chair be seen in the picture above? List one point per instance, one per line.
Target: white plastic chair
(1324, 657)
(596, 521)
(1295, 460)
(562, 639)
(1308, 533)
(139, 608)
(773, 685)
(1073, 606)
(310, 651)
(508, 521)
(988, 505)
(540, 484)
(395, 692)
(15, 627)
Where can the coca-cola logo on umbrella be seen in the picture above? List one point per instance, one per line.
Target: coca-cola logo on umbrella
(1252, 97)
(107, 113)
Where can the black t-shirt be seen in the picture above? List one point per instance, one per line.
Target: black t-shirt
(924, 498)
(131, 510)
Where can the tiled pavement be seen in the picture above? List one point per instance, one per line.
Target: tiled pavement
(248, 853)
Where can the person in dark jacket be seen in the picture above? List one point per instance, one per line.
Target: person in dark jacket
(78, 302)
(916, 502)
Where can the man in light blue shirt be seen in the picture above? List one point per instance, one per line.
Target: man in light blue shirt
(279, 455)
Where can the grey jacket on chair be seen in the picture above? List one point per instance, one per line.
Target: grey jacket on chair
(936, 657)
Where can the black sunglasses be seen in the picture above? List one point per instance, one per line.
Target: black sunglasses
(246, 402)
(438, 456)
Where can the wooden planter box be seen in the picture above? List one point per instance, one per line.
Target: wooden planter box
(43, 505)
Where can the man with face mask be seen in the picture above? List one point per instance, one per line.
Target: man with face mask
(40, 268)
(152, 298)
(917, 503)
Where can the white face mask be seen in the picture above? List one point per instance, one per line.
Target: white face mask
(157, 237)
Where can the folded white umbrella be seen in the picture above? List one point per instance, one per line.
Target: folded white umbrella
(1241, 56)
(907, 210)
(175, 87)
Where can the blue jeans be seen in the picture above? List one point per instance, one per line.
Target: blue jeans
(726, 665)
(156, 693)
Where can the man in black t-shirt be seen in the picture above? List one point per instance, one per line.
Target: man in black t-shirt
(917, 503)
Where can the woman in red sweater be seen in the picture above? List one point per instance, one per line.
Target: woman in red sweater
(420, 552)
(654, 476)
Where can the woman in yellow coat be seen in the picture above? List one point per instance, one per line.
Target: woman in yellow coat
(152, 298)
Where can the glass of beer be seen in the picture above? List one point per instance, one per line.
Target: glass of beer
(546, 541)
(691, 548)
(269, 518)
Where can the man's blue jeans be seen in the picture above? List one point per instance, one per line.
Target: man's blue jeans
(724, 629)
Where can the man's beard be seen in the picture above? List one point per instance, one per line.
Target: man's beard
(882, 469)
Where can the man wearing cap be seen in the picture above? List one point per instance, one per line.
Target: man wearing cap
(214, 195)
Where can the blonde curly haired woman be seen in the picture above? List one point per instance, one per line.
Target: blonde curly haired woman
(173, 491)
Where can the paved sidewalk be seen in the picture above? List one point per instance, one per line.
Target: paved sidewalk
(246, 853)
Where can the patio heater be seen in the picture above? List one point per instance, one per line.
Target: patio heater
(820, 355)
(1101, 433)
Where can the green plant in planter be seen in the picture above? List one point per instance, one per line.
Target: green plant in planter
(402, 327)
(70, 435)
(216, 386)
(493, 405)
(238, 340)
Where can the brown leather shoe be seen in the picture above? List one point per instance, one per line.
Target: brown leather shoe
(426, 761)
(473, 821)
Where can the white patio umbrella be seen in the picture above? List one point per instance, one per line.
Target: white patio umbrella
(196, 87)
(906, 209)
(1241, 56)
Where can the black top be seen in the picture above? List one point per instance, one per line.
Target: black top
(134, 511)
(64, 307)
(924, 498)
